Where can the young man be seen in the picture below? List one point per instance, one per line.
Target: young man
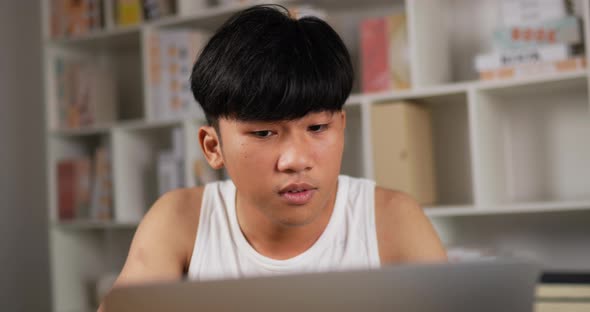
(272, 88)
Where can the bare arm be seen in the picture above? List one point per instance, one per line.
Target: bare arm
(404, 233)
(162, 245)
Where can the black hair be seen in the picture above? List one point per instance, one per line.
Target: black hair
(265, 65)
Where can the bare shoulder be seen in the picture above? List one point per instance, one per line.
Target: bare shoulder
(404, 233)
(176, 214)
(163, 243)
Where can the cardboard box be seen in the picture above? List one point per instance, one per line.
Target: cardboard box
(403, 151)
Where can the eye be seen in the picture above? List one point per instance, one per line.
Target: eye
(318, 128)
(262, 133)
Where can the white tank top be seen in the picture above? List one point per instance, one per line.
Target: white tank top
(349, 241)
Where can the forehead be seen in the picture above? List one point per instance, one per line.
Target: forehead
(309, 117)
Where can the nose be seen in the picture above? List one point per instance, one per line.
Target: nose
(296, 155)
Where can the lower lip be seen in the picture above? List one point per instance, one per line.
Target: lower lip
(299, 198)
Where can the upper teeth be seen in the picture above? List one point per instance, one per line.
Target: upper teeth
(294, 191)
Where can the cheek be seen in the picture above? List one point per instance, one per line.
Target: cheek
(249, 157)
(330, 149)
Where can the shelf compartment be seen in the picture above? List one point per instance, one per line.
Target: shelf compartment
(135, 169)
(452, 156)
(119, 71)
(532, 142)
(78, 259)
(464, 28)
(66, 147)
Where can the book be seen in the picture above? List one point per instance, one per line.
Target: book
(549, 53)
(384, 55)
(527, 12)
(564, 285)
(566, 30)
(85, 92)
(75, 17)
(403, 152)
(541, 306)
(534, 69)
(102, 189)
(73, 187)
(154, 9)
(563, 292)
(171, 57)
(128, 12)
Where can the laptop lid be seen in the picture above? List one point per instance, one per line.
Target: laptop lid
(477, 286)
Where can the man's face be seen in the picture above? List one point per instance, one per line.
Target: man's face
(264, 158)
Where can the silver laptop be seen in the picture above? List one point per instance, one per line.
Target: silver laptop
(498, 286)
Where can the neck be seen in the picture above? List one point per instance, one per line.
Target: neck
(279, 241)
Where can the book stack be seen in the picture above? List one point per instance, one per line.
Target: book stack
(171, 57)
(75, 17)
(403, 152)
(171, 164)
(85, 93)
(563, 292)
(133, 12)
(534, 37)
(384, 54)
(85, 187)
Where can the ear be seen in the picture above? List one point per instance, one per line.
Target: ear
(343, 117)
(211, 146)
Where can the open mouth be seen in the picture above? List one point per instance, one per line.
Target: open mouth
(298, 197)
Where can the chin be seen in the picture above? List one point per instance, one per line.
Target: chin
(299, 218)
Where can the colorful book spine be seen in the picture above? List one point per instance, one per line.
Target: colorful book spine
(75, 17)
(384, 58)
(102, 192)
(73, 187)
(129, 12)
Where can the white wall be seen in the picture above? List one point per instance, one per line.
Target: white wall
(24, 276)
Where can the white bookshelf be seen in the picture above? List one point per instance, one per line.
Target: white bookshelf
(514, 154)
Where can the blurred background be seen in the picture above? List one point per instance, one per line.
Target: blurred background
(24, 264)
(477, 108)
